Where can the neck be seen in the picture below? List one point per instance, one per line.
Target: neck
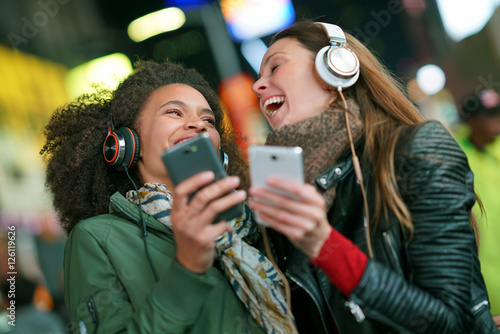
(323, 139)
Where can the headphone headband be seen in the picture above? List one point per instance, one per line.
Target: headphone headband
(334, 32)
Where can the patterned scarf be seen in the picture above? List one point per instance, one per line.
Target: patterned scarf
(323, 139)
(250, 274)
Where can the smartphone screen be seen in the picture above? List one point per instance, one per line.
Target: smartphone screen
(194, 156)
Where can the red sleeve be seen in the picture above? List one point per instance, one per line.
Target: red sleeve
(342, 261)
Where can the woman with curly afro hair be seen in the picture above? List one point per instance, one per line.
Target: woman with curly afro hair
(141, 256)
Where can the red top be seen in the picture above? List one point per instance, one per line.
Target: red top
(342, 261)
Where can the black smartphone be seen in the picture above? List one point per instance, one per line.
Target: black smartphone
(194, 156)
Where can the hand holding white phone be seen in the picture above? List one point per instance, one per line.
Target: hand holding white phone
(278, 161)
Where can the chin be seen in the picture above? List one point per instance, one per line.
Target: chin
(276, 124)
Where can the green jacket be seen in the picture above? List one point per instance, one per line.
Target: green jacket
(110, 287)
(486, 168)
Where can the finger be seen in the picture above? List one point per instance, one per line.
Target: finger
(214, 191)
(496, 318)
(192, 184)
(206, 235)
(304, 191)
(217, 206)
(293, 233)
(312, 210)
(216, 229)
(280, 216)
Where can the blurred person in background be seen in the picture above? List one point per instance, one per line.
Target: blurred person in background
(32, 316)
(479, 137)
(26, 306)
(412, 265)
(151, 260)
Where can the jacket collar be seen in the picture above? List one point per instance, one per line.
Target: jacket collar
(119, 205)
(341, 168)
(335, 174)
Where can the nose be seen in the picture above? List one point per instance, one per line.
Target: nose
(196, 123)
(259, 86)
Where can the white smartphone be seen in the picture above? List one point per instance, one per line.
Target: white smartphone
(279, 161)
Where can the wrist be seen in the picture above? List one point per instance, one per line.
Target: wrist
(192, 267)
(323, 236)
(342, 261)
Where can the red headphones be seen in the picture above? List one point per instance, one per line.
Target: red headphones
(121, 147)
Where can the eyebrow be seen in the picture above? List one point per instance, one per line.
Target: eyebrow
(266, 61)
(183, 104)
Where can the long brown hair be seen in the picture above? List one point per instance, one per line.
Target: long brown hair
(384, 106)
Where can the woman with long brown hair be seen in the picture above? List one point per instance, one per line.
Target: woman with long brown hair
(380, 238)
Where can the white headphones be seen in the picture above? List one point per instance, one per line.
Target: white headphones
(337, 65)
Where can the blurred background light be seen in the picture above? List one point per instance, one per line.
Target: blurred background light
(253, 51)
(106, 72)
(256, 18)
(152, 24)
(414, 7)
(462, 18)
(431, 79)
(186, 5)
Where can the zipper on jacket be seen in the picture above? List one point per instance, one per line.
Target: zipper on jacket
(93, 313)
(476, 308)
(392, 251)
(356, 311)
(314, 300)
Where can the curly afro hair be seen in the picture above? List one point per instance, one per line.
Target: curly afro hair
(77, 175)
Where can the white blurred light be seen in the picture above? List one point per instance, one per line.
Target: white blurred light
(150, 25)
(431, 79)
(462, 18)
(253, 50)
(256, 18)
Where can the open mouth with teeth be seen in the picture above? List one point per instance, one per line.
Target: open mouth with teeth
(273, 104)
(183, 140)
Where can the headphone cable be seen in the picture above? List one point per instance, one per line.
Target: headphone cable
(359, 175)
(143, 224)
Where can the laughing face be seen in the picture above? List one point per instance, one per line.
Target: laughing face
(288, 89)
(171, 115)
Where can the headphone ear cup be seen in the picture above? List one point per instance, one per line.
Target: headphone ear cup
(121, 148)
(224, 159)
(337, 66)
(321, 69)
(132, 148)
(111, 148)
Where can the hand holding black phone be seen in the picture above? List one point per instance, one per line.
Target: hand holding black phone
(194, 156)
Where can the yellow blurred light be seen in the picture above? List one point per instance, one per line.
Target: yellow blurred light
(107, 72)
(150, 25)
(32, 88)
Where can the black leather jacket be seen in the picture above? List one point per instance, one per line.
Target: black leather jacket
(427, 283)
